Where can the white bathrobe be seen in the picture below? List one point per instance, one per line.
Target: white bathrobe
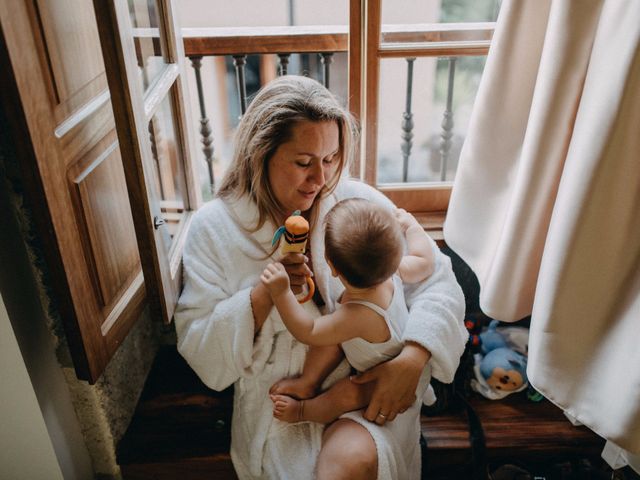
(215, 327)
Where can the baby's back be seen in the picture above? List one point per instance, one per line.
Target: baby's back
(363, 355)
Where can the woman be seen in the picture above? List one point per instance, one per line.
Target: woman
(292, 146)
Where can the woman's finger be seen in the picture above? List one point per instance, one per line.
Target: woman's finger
(392, 415)
(381, 419)
(366, 377)
(293, 259)
(298, 269)
(385, 414)
(296, 263)
(372, 410)
(298, 280)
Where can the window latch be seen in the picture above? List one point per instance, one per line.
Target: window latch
(158, 222)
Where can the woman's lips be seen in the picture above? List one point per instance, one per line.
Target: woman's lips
(308, 195)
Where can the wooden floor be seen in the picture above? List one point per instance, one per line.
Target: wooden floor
(516, 430)
(181, 430)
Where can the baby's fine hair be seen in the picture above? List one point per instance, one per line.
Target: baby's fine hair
(363, 241)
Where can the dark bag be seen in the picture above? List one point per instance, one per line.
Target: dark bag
(452, 397)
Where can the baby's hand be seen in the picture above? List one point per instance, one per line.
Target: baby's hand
(275, 278)
(406, 219)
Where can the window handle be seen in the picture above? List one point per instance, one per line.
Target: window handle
(158, 222)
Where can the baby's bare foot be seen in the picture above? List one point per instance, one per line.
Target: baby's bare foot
(298, 388)
(287, 409)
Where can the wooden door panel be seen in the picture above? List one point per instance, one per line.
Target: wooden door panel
(80, 132)
(71, 51)
(106, 215)
(56, 85)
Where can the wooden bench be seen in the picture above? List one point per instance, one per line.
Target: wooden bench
(181, 430)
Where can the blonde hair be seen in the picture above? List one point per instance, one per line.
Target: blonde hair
(267, 124)
(363, 241)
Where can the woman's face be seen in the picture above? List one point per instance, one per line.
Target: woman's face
(300, 167)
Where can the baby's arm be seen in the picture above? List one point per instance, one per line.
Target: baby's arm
(418, 263)
(329, 329)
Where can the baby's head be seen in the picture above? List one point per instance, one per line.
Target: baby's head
(363, 242)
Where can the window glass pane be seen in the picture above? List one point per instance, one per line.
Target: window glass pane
(168, 169)
(425, 145)
(150, 49)
(439, 11)
(421, 21)
(261, 13)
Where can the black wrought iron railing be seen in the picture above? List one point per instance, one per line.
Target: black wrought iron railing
(280, 43)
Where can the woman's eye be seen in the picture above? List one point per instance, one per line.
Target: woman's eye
(329, 161)
(303, 164)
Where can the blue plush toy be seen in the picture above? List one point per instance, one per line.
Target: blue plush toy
(503, 370)
(491, 339)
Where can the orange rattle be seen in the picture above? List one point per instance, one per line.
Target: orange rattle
(296, 234)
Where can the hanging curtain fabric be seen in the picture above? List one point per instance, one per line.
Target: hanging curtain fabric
(546, 202)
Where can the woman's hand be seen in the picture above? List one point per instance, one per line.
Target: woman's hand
(396, 383)
(275, 278)
(296, 267)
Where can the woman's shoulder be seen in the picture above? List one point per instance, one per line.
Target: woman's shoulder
(211, 212)
(210, 218)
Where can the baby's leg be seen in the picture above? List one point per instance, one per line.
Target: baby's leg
(342, 397)
(318, 364)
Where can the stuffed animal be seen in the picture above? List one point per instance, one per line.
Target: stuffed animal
(500, 370)
(296, 234)
(504, 370)
(491, 339)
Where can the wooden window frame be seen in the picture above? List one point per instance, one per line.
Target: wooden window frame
(133, 110)
(426, 200)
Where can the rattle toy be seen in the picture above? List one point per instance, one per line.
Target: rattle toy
(296, 234)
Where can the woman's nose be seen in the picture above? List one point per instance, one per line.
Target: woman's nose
(317, 174)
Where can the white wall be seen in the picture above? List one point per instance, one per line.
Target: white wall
(40, 435)
(26, 451)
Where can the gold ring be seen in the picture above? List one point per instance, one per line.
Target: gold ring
(382, 415)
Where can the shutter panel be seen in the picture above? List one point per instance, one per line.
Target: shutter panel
(144, 57)
(56, 97)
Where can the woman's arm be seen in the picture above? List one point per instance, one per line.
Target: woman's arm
(261, 305)
(214, 318)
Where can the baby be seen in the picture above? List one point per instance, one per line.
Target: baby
(364, 249)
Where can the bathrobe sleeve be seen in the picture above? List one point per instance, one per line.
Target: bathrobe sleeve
(436, 305)
(214, 321)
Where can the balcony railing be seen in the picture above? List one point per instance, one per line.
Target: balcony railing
(404, 41)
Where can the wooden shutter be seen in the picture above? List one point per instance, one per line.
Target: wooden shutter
(55, 94)
(144, 56)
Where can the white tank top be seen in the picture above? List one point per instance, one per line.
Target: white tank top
(363, 355)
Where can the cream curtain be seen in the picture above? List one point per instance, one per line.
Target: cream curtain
(546, 201)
